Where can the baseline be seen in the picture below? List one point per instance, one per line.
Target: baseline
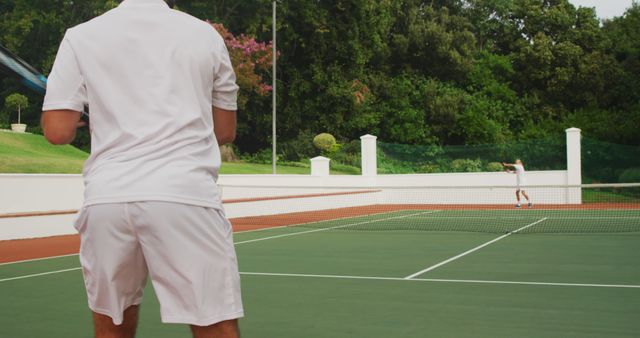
(236, 243)
(235, 233)
(38, 274)
(37, 259)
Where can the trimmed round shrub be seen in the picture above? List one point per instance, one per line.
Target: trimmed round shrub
(631, 175)
(494, 166)
(325, 142)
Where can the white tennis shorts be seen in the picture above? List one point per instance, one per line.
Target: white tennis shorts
(187, 251)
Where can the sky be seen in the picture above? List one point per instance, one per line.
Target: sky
(605, 9)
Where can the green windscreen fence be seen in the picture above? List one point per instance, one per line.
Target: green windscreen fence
(536, 154)
(609, 162)
(602, 162)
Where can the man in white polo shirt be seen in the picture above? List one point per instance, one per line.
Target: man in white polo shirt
(521, 181)
(162, 95)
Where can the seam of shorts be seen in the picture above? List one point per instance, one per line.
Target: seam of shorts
(206, 321)
(108, 313)
(127, 215)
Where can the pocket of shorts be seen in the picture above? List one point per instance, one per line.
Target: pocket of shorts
(81, 219)
(218, 214)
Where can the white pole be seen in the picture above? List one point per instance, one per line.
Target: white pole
(273, 123)
(574, 165)
(369, 162)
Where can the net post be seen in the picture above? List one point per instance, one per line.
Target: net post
(574, 166)
(369, 156)
(320, 166)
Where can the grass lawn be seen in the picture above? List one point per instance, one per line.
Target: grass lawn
(29, 153)
(255, 168)
(600, 195)
(32, 154)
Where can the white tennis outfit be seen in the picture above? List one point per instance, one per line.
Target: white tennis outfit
(150, 76)
(520, 176)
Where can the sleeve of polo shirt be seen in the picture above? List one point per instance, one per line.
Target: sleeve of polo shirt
(66, 87)
(225, 89)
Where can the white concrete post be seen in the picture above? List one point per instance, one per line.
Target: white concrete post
(320, 166)
(369, 156)
(574, 165)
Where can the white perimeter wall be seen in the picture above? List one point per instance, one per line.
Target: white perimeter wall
(36, 193)
(21, 193)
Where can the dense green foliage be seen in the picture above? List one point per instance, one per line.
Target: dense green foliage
(432, 73)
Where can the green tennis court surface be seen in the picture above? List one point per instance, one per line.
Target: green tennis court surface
(490, 273)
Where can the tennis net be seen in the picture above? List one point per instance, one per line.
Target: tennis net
(604, 208)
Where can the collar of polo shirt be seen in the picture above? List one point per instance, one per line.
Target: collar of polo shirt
(129, 3)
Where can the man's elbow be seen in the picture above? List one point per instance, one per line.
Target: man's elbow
(226, 137)
(58, 137)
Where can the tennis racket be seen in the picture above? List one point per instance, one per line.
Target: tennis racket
(28, 75)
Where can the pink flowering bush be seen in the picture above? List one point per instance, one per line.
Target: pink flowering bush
(252, 60)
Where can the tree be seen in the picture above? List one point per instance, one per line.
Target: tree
(252, 61)
(16, 101)
(624, 36)
(436, 72)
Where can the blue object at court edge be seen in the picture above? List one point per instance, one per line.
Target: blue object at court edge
(28, 75)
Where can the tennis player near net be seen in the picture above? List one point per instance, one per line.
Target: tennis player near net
(162, 94)
(518, 169)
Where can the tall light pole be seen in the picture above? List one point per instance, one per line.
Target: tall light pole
(273, 114)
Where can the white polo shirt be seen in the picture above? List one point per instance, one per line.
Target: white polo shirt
(150, 76)
(520, 174)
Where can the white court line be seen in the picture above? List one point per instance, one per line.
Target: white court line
(236, 243)
(381, 213)
(335, 227)
(537, 216)
(435, 280)
(476, 281)
(250, 241)
(37, 259)
(38, 274)
(239, 232)
(472, 250)
(314, 222)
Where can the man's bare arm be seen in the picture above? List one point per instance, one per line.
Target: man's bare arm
(507, 166)
(59, 126)
(224, 125)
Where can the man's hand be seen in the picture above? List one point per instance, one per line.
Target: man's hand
(59, 126)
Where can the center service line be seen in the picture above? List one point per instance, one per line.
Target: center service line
(472, 250)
